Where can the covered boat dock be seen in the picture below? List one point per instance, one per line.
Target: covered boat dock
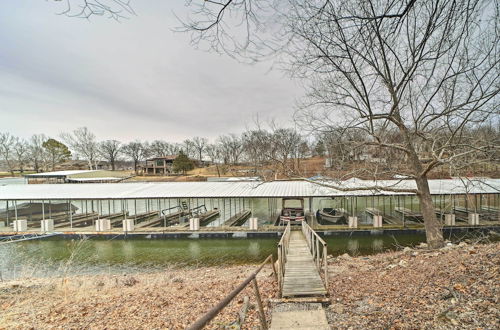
(242, 205)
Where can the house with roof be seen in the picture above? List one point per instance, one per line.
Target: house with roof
(159, 165)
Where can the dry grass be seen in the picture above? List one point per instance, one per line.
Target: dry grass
(171, 299)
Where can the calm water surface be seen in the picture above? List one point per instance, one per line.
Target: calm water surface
(54, 256)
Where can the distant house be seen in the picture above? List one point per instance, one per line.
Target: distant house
(159, 165)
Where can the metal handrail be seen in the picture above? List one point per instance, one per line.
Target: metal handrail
(201, 322)
(282, 253)
(319, 253)
(170, 208)
(197, 210)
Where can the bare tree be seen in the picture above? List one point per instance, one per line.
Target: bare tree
(7, 143)
(256, 147)
(37, 152)
(109, 150)
(137, 151)
(286, 142)
(173, 148)
(231, 148)
(199, 145)
(115, 9)
(214, 153)
(159, 148)
(187, 147)
(21, 152)
(83, 142)
(403, 73)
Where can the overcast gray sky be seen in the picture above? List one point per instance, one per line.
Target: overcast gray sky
(126, 80)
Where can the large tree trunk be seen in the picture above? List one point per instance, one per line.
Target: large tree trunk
(433, 229)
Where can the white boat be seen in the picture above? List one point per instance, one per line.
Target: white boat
(330, 215)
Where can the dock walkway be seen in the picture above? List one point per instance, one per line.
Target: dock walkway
(301, 274)
(302, 256)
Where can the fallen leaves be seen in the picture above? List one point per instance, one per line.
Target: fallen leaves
(447, 288)
(139, 301)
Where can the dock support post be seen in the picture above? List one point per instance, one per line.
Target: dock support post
(128, 225)
(20, 225)
(262, 316)
(449, 219)
(194, 224)
(103, 224)
(377, 221)
(47, 226)
(254, 223)
(474, 219)
(353, 222)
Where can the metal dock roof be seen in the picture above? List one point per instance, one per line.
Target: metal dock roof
(232, 189)
(57, 174)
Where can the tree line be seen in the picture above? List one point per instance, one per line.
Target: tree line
(258, 147)
(270, 152)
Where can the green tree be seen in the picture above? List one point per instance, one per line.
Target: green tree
(58, 151)
(182, 163)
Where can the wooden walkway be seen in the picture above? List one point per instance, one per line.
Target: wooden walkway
(301, 276)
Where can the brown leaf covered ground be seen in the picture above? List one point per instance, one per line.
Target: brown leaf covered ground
(171, 299)
(453, 288)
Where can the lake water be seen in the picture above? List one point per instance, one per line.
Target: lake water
(57, 256)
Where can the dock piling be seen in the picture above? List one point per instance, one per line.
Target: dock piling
(353, 222)
(47, 226)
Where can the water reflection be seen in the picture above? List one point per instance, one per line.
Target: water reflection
(353, 246)
(128, 250)
(194, 249)
(378, 244)
(48, 257)
(254, 249)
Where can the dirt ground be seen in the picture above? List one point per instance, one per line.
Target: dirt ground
(457, 287)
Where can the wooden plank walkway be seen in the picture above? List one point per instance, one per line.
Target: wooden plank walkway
(301, 275)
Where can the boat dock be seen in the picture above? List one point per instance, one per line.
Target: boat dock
(169, 206)
(238, 219)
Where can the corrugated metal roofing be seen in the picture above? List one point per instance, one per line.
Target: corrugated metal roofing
(230, 189)
(58, 173)
(94, 179)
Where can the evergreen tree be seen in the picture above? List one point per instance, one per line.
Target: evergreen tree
(182, 163)
(58, 151)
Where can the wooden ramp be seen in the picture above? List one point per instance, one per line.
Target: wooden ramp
(301, 276)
